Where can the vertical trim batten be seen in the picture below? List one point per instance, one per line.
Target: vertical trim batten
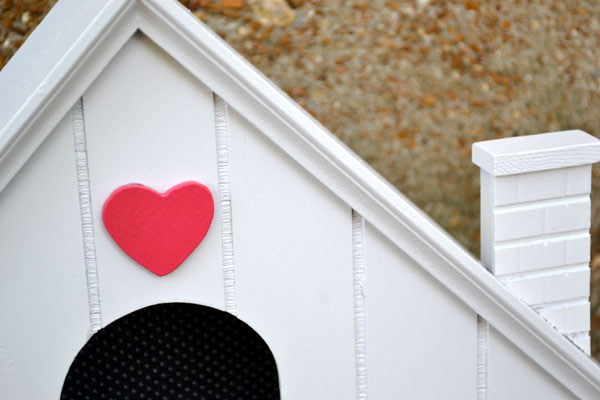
(223, 176)
(359, 274)
(482, 357)
(87, 222)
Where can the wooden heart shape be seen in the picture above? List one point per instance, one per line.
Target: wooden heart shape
(159, 230)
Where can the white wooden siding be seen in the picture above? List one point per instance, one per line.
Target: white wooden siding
(44, 318)
(293, 251)
(513, 375)
(421, 339)
(148, 121)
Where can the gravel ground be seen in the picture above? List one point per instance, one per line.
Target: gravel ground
(410, 85)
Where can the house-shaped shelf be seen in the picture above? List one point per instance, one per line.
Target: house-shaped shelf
(353, 289)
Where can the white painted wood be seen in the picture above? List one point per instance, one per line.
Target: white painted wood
(294, 273)
(47, 45)
(535, 218)
(569, 318)
(483, 332)
(537, 235)
(542, 218)
(70, 54)
(148, 121)
(531, 255)
(225, 217)
(360, 320)
(541, 185)
(421, 339)
(304, 140)
(548, 287)
(583, 341)
(488, 193)
(307, 142)
(517, 155)
(87, 218)
(44, 318)
(578, 180)
(512, 375)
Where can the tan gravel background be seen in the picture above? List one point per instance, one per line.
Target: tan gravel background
(410, 85)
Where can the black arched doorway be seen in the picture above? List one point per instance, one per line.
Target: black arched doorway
(174, 351)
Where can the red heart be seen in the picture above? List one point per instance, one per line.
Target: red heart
(159, 231)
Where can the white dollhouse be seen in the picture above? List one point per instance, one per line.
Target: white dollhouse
(353, 290)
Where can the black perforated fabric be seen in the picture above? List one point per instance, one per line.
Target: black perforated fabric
(174, 351)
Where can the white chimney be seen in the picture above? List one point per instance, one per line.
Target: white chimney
(535, 222)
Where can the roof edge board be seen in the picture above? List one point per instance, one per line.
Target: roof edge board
(313, 147)
(43, 48)
(292, 129)
(79, 64)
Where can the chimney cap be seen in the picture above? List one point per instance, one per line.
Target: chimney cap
(517, 155)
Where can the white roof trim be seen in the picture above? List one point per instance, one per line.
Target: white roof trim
(102, 27)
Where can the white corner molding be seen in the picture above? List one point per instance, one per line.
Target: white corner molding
(483, 333)
(360, 321)
(223, 171)
(535, 220)
(87, 220)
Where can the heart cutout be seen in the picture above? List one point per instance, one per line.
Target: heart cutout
(159, 230)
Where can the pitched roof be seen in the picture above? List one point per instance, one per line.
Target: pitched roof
(78, 39)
